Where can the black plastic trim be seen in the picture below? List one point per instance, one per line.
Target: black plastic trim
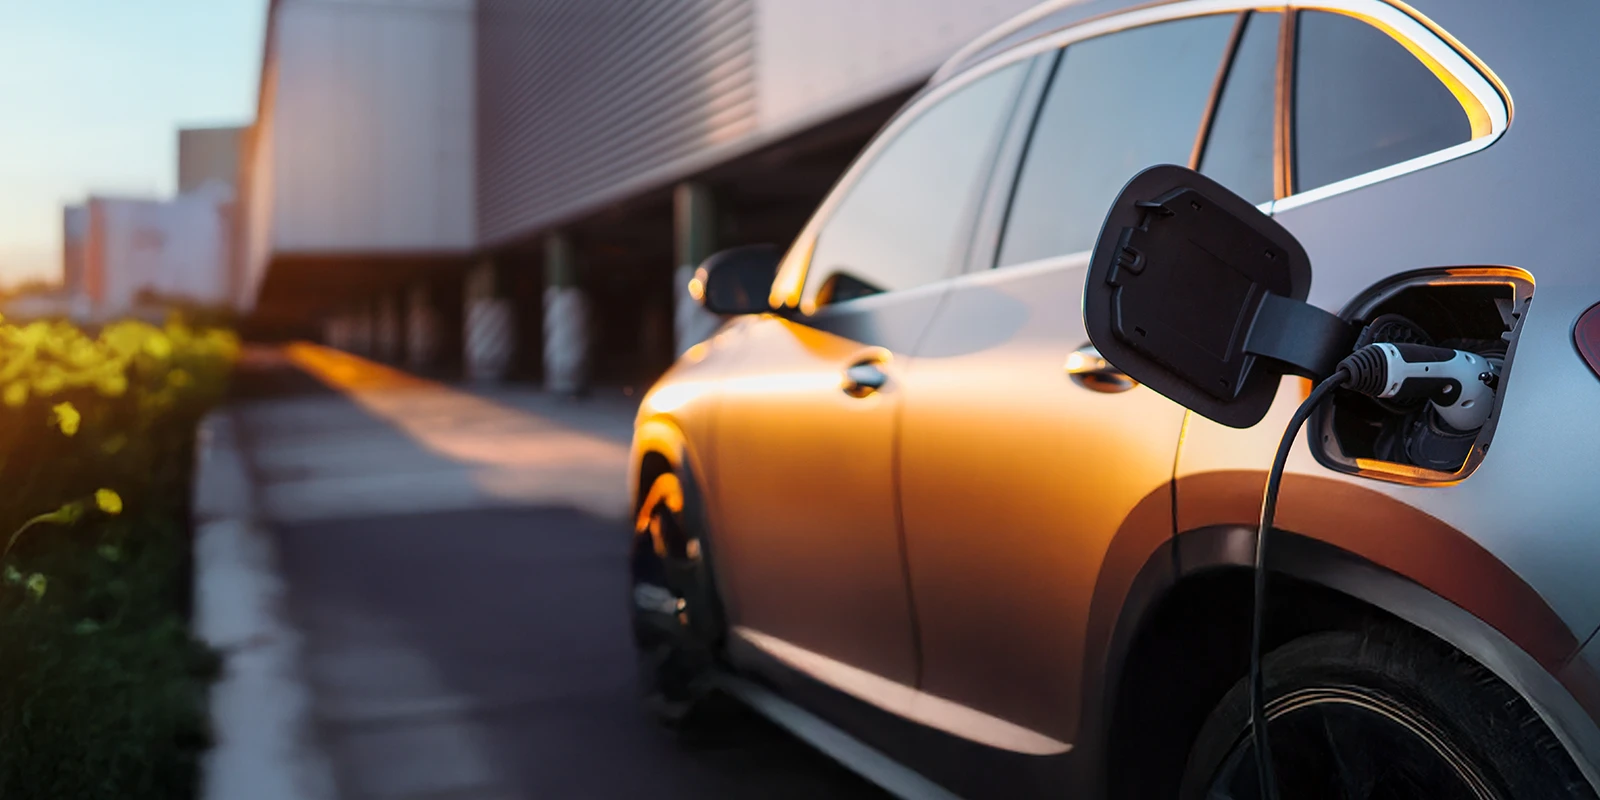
(1178, 276)
(1301, 338)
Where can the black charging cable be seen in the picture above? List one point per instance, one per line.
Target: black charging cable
(1269, 503)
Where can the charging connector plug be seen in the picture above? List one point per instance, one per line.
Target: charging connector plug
(1457, 384)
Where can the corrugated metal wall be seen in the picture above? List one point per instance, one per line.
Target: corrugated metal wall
(581, 101)
(818, 58)
(441, 127)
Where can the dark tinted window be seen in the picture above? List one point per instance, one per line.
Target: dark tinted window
(1363, 102)
(905, 221)
(1239, 145)
(1117, 104)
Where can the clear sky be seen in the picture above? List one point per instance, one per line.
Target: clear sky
(92, 93)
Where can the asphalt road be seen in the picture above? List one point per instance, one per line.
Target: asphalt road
(479, 649)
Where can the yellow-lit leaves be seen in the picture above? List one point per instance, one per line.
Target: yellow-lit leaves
(80, 410)
(66, 418)
(158, 345)
(45, 359)
(111, 384)
(108, 501)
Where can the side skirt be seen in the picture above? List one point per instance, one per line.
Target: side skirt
(865, 761)
(953, 766)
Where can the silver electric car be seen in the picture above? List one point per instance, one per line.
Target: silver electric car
(901, 504)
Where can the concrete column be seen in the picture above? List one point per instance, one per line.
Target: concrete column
(386, 328)
(566, 319)
(694, 235)
(422, 328)
(487, 327)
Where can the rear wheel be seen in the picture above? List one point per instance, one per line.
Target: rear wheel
(1377, 715)
(677, 620)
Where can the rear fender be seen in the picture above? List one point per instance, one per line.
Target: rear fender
(1526, 646)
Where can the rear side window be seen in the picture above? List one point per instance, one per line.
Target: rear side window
(1363, 102)
(1239, 149)
(904, 222)
(1117, 104)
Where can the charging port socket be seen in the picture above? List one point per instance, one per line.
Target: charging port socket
(1478, 309)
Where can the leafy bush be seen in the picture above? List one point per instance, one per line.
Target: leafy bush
(102, 690)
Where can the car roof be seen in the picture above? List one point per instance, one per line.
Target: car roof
(1041, 20)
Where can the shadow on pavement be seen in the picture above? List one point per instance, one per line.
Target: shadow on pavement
(499, 638)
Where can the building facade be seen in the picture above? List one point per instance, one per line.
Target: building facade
(207, 155)
(140, 254)
(529, 181)
(74, 233)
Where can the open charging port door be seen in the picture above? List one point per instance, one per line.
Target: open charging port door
(1199, 295)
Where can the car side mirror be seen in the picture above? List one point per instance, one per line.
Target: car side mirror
(1197, 294)
(737, 281)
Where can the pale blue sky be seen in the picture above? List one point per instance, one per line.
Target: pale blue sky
(92, 93)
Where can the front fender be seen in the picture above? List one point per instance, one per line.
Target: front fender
(661, 436)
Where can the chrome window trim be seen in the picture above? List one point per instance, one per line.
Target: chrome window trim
(1365, 179)
(1412, 31)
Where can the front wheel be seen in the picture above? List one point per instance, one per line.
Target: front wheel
(1387, 713)
(677, 621)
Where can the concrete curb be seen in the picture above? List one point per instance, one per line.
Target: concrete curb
(261, 711)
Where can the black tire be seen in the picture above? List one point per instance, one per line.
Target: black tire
(678, 624)
(1383, 713)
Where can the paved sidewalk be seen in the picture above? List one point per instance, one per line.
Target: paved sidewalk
(456, 563)
(390, 443)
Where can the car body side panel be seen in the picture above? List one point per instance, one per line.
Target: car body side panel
(807, 520)
(1531, 502)
(1220, 481)
(1014, 479)
(676, 418)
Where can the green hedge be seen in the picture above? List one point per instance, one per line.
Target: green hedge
(102, 690)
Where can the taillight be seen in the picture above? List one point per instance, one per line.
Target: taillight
(1586, 335)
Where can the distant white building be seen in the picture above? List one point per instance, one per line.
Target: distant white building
(138, 251)
(125, 256)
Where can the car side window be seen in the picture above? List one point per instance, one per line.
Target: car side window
(905, 221)
(1239, 145)
(1117, 104)
(1363, 102)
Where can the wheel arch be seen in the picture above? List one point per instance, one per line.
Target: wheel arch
(660, 445)
(1185, 583)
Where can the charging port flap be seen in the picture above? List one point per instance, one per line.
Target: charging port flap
(1195, 293)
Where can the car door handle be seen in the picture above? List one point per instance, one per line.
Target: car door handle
(1092, 371)
(864, 378)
